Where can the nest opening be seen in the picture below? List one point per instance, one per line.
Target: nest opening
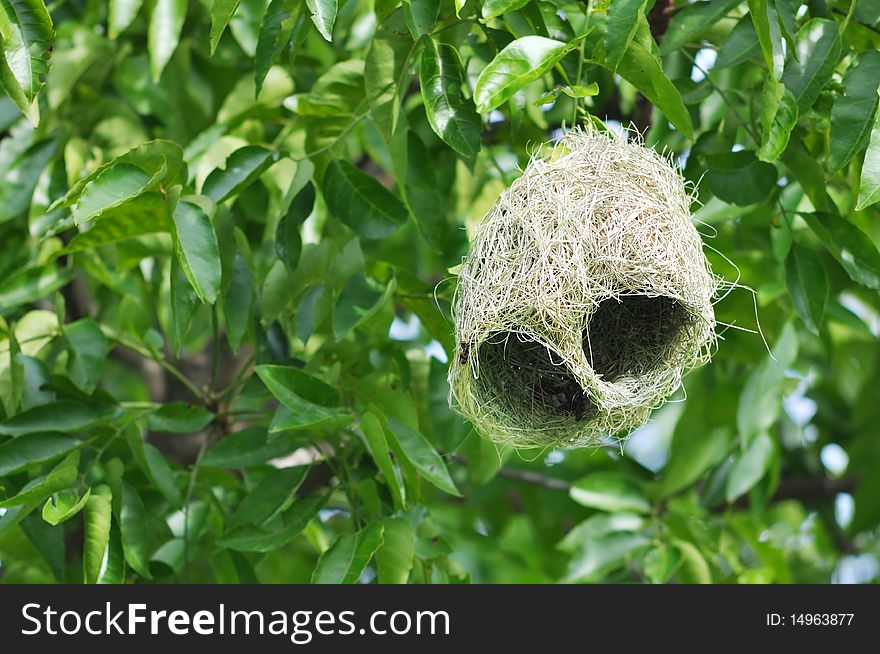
(527, 379)
(633, 335)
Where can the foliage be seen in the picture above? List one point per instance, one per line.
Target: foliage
(229, 238)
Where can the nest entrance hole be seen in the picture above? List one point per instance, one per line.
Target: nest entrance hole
(632, 335)
(529, 380)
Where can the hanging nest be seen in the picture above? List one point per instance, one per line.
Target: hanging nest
(584, 299)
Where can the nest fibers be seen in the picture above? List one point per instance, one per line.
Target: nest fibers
(585, 297)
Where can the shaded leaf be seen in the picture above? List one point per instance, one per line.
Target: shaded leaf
(852, 114)
(748, 469)
(739, 178)
(869, 182)
(386, 70)
(641, 68)
(807, 284)
(178, 417)
(31, 449)
(294, 520)
(361, 202)
(852, 248)
(689, 23)
(818, 51)
(359, 301)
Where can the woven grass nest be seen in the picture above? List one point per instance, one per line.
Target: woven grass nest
(584, 299)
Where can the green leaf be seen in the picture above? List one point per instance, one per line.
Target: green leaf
(291, 386)
(603, 554)
(748, 469)
(30, 285)
(276, 29)
(26, 36)
(49, 541)
(769, 35)
(852, 114)
(161, 160)
(87, 349)
(288, 242)
(609, 491)
(271, 496)
(808, 285)
(347, 558)
(133, 524)
(361, 202)
(113, 568)
(419, 451)
(641, 68)
(64, 505)
(761, 397)
(21, 177)
(420, 15)
(869, 182)
(179, 418)
(818, 51)
(250, 447)
(693, 453)
(155, 467)
(394, 559)
(451, 116)
(62, 416)
(31, 449)
(781, 115)
(294, 520)
(145, 214)
(739, 46)
(386, 71)
(494, 8)
(852, 248)
(242, 168)
(377, 446)
(359, 301)
(323, 13)
(689, 23)
(423, 196)
(111, 188)
(623, 22)
(597, 526)
(739, 178)
(221, 13)
(238, 302)
(305, 396)
(121, 14)
(197, 249)
(96, 533)
(519, 64)
(163, 34)
(61, 477)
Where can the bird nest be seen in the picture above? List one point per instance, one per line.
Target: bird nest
(584, 299)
